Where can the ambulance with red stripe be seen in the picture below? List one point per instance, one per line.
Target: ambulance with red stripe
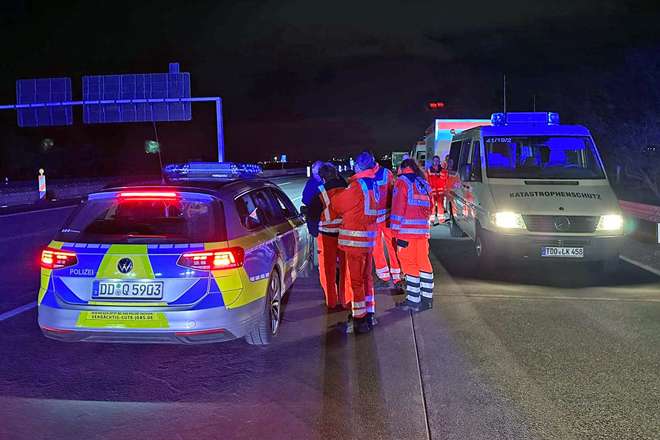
(438, 137)
(205, 257)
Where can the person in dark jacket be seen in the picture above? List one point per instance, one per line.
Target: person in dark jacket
(311, 189)
(310, 192)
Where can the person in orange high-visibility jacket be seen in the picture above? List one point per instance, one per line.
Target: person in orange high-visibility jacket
(411, 206)
(437, 182)
(385, 272)
(357, 236)
(327, 240)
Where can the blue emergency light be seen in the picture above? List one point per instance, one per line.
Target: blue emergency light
(534, 118)
(210, 170)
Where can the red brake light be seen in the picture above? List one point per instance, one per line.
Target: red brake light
(202, 332)
(158, 195)
(56, 330)
(213, 260)
(57, 259)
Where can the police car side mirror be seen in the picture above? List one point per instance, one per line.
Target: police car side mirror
(464, 172)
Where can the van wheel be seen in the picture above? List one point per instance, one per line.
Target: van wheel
(454, 229)
(485, 255)
(609, 265)
(272, 315)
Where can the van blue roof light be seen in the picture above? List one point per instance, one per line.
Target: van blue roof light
(498, 119)
(535, 118)
(210, 170)
(553, 118)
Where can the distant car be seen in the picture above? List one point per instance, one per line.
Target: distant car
(205, 257)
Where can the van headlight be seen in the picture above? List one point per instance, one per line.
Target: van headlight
(612, 222)
(508, 220)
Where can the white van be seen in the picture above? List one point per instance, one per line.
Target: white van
(528, 187)
(419, 151)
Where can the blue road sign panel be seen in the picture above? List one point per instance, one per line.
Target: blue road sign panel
(47, 91)
(146, 86)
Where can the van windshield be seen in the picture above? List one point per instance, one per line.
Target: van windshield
(542, 157)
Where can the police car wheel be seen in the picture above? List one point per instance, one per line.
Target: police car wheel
(272, 316)
(485, 255)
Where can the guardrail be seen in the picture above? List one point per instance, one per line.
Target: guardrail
(649, 213)
(24, 194)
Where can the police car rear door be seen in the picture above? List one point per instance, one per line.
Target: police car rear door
(283, 232)
(302, 237)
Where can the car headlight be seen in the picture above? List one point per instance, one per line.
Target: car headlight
(612, 222)
(508, 220)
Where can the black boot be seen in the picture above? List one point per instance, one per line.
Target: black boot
(425, 305)
(371, 320)
(408, 306)
(361, 325)
(348, 326)
(398, 287)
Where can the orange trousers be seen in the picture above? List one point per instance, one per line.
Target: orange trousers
(382, 269)
(438, 202)
(414, 256)
(329, 253)
(360, 282)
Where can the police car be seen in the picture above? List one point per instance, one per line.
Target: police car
(205, 257)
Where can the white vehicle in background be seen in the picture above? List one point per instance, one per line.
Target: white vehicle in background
(419, 152)
(438, 136)
(530, 188)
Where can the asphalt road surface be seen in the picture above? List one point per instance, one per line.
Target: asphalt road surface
(531, 352)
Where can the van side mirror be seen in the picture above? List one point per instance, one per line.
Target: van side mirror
(303, 209)
(464, 172)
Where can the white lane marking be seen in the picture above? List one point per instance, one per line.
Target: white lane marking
(640, 265)
(546, 298)
(17, 311)
(35, 212)
(282, 184)
(297, 198)
(31, 234)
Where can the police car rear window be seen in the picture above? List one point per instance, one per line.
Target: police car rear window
(184, 219)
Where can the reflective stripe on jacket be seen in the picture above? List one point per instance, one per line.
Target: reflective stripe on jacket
(385, 180)
(358, 206)
(437, 178)
(411, 207)
(330, 219)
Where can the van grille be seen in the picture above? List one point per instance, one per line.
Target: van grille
(557, 223)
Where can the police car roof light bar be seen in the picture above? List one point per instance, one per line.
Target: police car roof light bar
(205, 170)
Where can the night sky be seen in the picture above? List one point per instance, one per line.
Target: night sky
(307, 78)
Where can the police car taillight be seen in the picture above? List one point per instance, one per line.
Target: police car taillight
(230, 258)
(149, 195)
(57, 259)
